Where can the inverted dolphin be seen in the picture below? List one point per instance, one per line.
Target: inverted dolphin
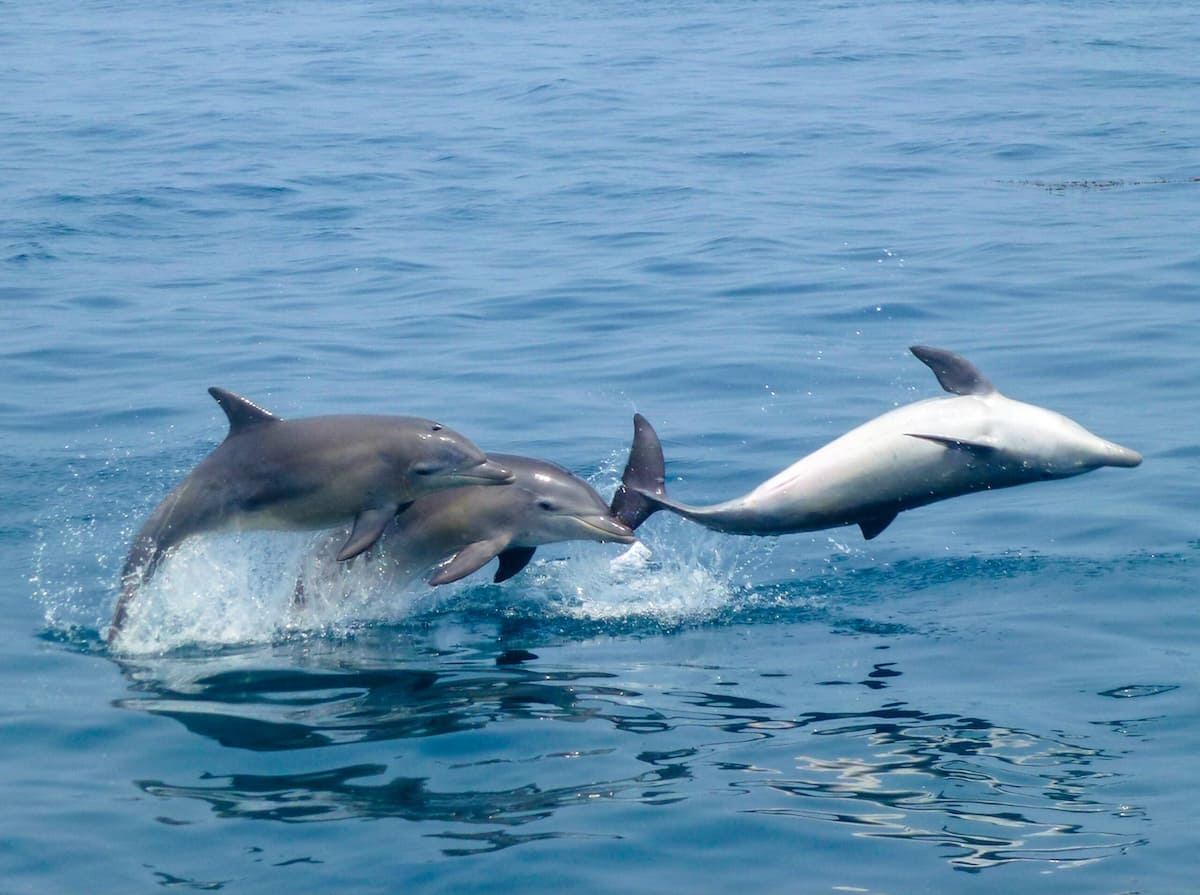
(309, 473)
(909, 457)
(454, 533)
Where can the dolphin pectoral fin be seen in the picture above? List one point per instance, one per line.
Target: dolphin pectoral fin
(512, 561)
(974, 447)
(470, 559)
(955, 374)
(368, 526)
(873, 527)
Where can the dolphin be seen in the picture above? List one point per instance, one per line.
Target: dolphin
(316, 472)
(914, 455)
(452, 534)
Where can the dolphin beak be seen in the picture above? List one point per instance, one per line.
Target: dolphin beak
(606, 529)
(1115, 455)
(487, 472)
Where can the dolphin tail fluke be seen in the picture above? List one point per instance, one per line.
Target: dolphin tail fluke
(643, 486)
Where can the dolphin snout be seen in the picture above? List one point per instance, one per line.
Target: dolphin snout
(1116, 455)
(608, 529)
(487, 472)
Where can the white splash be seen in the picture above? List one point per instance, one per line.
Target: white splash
(677, 573)
(241, 589)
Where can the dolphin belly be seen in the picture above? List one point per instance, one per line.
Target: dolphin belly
(851, 481)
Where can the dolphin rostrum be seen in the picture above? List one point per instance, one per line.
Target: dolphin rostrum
(316, 472)
(454, 533)
(914, 455)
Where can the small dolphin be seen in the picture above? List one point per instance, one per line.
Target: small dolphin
(912, 456)
(317, 472)
(454, 533)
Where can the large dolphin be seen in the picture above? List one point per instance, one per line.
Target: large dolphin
(912, 456)
(309, 473)
(454, 533)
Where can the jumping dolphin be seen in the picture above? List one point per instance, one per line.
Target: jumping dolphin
(316, 472)
(912, 456)
(454, 533)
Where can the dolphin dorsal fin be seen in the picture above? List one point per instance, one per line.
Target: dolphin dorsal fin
(243, 414)
(954, 373)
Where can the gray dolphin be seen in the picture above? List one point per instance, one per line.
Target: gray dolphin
(912, 456)
(309, 473)
(454, 533)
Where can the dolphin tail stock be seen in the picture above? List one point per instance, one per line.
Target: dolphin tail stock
(643, 490)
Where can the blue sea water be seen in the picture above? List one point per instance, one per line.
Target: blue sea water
(529, 220)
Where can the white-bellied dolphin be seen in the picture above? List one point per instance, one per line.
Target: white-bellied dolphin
(909, 457)
(316, 472)
(454, 533)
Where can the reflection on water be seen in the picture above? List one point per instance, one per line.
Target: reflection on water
(265, 710)
(987, 793)
(991, 794)
(339, 794)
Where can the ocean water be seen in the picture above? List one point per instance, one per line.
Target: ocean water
(528, 221)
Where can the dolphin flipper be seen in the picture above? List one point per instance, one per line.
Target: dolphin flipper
(368, 526)
(872, 528)
(513, 560)
(954, 373)
(644, 477)
(470, 559)
(980, 448)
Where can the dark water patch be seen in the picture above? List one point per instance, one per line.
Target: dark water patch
(621, 239)
(326, 214)
(1060, 186)
(1138, 691)
(269, 193)
(894, 311)
(29, 253)
(1138, 728)
(99, 302)
(768, 289)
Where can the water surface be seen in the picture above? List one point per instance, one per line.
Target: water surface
(529, 222)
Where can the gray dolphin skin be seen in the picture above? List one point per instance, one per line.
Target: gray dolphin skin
(914, 455)
(310, 473)
(452, 534)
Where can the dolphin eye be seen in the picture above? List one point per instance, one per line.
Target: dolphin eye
(425, 469)
(548, 505)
